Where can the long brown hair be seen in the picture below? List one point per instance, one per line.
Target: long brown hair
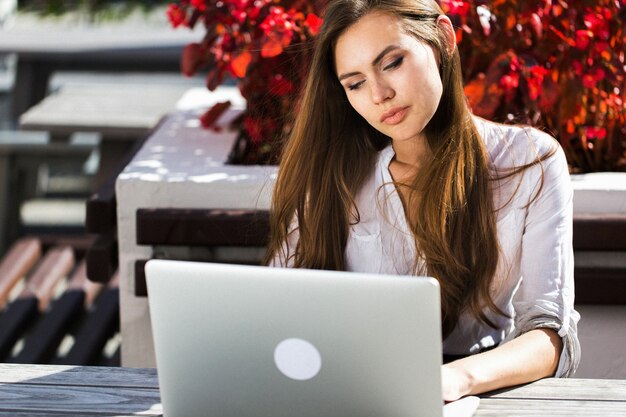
(332, 149)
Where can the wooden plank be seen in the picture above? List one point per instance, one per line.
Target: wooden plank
(16, 263)
(567, 389)
(202, 227)
(141, 288)
(98, 400)
(55, 266)
(79, 243)
(596, 285)
(79, 282)
(102, 258)
(49, 414)
(496, 407)
(15, 320)
(79, 376)
(36, 296)
(101, 216)
(600, 231)
(43, 340)
(101, 206)
(127, 111)
(98, 327)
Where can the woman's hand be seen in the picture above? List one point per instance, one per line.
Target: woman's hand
(455, 383)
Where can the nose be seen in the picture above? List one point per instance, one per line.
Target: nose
(381, 91)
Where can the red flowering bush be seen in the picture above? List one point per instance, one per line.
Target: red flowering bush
(262, 45)
(552, 64)
(547, 63)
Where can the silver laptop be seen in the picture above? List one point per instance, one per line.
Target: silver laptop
(244, 341)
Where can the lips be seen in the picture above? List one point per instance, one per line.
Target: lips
(394, 115)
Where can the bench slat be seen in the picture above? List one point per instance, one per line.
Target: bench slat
(42, 342)
(16, 263)
(57, 263)
(97, 328)
(80, 282)
(15, 319)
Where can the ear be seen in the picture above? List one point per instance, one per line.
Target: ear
(445, 25)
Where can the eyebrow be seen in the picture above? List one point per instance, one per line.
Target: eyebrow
(375, 62)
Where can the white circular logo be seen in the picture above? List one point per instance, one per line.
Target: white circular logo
(297, 359)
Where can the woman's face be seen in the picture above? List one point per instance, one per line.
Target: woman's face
(390, 78)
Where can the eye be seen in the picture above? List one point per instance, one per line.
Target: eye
(355, 86)
(394, 64)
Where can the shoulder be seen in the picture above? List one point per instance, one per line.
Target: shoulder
(512, 146)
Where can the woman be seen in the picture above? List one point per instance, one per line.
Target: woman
(386, 171)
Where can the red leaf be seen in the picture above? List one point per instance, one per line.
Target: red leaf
(593, 132)
(199, 4)
(254, 129)
(536, 24)
(549, 96)
(509, 84)
(176, 15)
(239, 65)
(475, 90)
(271, 48)
(209, 118)
(583, 39)
(215, 78)
(314, 23)
(192, 59)
(589, 81)
(280, 86)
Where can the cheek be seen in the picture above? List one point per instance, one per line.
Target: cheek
(359, 105)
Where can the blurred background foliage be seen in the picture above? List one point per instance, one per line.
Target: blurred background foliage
(96, 9)
(556, 65)
(553, 64)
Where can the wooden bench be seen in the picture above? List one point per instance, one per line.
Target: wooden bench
(120, 114)
(26, 162)
(45, 48)
(50, 312)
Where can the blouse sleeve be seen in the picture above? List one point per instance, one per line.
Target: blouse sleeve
(545, 297)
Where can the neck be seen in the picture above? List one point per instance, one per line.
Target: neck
(412, 152)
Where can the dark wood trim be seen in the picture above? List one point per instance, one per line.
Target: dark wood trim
(600, 285)
(209, 227)
(141, 289)
(101, 210)
(600, 231)
(102, 258)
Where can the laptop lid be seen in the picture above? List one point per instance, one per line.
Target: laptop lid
(233, 340)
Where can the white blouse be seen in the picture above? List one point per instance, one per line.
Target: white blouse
(534, 281)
